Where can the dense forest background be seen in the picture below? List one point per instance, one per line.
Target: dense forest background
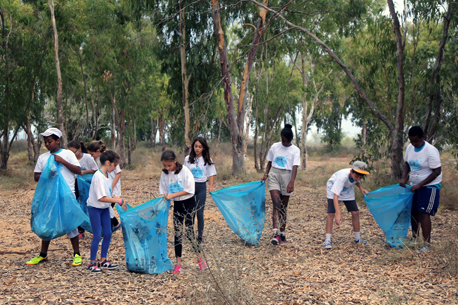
(130, 71)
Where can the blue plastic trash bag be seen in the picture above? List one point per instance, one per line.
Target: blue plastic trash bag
(391, 207)
(84, 184)
(244, 208)
(144, 229)
(55, 211)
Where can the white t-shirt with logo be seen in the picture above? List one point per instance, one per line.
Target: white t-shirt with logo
(68, 156)
(88, 163)
(172, 183)
(100, 187)
(284, 157)
(199, 171)
(340, 184)
(111, 176)
(422, 163)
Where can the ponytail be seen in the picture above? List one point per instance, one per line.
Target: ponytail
(96, 145)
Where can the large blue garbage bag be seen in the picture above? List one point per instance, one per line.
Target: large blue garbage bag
(84, 184)
(391, 207)
(244, 208)
(55, 211)
(144, 229)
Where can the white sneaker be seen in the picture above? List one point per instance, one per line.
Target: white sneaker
(327, 244)
(425, 249)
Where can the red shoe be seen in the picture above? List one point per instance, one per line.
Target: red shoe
(177, 269)
(283, 239)
(202, 264)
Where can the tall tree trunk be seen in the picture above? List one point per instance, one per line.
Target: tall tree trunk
(60, 120)
(4, 144)
(364, 137)
(397, 132)
(129, 151)
(435, 96)
(88, 127)
(153, 132)
(255, 140)
(122, 134)
(162, 132)
(184, 77)
(238, 160)
(247, 127)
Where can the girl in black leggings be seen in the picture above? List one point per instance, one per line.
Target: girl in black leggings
(177, 184)
(201, 166)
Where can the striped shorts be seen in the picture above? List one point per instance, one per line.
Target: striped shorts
(426, 200)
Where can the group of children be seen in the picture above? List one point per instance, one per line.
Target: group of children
(185, 184)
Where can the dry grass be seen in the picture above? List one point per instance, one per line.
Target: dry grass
(300, 273)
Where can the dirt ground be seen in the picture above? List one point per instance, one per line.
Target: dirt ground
(302, 272)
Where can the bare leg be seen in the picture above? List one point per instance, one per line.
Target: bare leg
(329, 222)
(276, 200)
(45, 246)
(425, 222)
(355, 221)
(283, 211)
(75, 244)
(414, 219)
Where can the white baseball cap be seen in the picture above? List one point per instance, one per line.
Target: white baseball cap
(51, 131)
(360, 167)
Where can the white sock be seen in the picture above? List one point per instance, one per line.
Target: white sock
(276, 231)
(328, 237)
(282, 233)
(357, 235)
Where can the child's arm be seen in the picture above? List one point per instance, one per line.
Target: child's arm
(116, 179)
(177, 194)
(73, 168)
(212, 180)
(405, 173)
(336, 207)
(290, 187)
(363, 191)
(121, 202)
(87, 171)
(266, 174)
(36, 176)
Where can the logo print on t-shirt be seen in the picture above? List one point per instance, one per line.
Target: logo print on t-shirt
(197, 172)
(281, 161)
(415, 165)
(175, 187)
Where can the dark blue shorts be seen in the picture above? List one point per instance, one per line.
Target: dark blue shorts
(350, 205)
(426, 200)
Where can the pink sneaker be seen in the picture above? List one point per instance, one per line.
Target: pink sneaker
(202, 264)
(275, 240)
(177, 269)
(283, 240)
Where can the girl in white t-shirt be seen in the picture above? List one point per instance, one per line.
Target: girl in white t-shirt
(177, 184)
(88, 166)
(98, 206)
(71, 166)
(201, 166)
(95, 149)
(284, 160)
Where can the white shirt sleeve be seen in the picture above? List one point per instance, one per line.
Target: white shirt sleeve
(297, 157)
(188, 181)
(434, 160)
(270, 155)
(211, 170)
(40, 163)
(163, 184)
(99, 187)
(337, 187)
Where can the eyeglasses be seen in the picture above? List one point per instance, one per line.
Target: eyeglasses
(74, 151)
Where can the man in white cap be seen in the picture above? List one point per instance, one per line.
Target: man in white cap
(340, 188)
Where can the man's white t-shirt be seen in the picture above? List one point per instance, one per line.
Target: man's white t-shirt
(88, 163)
(68, 156)
(171, 183)
(284, 157)
(100, 187)
(340, 184)
(422, 163)
(111, 176)
(200, 171)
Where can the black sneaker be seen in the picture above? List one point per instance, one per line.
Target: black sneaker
(200, 240)
(283, 239)
(107, 265)
(275, 239)
(94, 268)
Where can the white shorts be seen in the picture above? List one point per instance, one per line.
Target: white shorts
(279, 180)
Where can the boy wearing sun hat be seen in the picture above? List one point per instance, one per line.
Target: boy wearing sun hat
(340, 188)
